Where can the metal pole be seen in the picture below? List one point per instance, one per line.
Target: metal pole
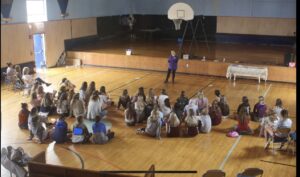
(181, 45)
(204, 35)
(194, 37)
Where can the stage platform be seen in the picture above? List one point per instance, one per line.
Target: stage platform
(152, 54)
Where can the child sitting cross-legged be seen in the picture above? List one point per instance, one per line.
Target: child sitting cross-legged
(23, 116)
(36, 127)
(80, 132)
(100, 134)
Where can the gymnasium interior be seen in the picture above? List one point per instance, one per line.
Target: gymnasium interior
(241, 48)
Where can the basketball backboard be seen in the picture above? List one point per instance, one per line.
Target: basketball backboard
(180, 11)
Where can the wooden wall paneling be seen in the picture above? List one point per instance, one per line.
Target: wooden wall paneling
(285, 74)
(84, 27)
(210, 68)
(256, 26)
(5, 35)
(55, 34)
(16, 46)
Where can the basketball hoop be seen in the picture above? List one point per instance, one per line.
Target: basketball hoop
(177, 23)
(180, 11)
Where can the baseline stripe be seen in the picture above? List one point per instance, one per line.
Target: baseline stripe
(230, 152)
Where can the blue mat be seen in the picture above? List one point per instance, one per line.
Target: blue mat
(89, 124)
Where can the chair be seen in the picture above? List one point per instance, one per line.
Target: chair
(26, 90)
(8, 80)
(214, 173)
(292, 143)
(284, 138)
(152, 168)
(10, 165)
(252, 172)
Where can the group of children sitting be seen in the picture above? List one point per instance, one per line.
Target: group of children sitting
(188, 117)
(88, 103)
(270, 119)
(195, 115)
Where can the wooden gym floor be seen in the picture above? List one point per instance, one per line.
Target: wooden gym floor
(129, 151)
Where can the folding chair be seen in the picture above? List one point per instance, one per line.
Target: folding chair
(26, 90)
(8, 80)
(284, 138)
(252, 172)
(214, 173)
(292, 143)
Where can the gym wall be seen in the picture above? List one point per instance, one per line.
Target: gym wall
(17, 45)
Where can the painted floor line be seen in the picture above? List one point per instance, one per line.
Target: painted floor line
(278, 163)
(133, 80)
(267, 91)
(203, 88)
(230, 152)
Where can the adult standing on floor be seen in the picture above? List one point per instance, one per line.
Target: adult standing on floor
(173, 60)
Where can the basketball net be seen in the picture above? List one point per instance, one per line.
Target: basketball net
(177, 23)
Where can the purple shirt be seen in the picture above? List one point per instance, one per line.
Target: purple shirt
(172, 62)
(202, 103)
(260, 110)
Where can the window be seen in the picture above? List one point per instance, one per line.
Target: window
(36, 10)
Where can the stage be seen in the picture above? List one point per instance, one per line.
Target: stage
(152, 55)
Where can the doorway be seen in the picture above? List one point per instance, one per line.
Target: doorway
(39, 51)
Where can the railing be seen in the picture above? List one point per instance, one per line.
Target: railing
(38, 167)
(62, 59)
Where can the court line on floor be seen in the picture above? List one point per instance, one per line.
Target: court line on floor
(104, 160)
(203, 88)
(89, 75)
(278, 163)
(238, 139)
(135, 79)
(267, 91)
(77, 154)
(230, 152)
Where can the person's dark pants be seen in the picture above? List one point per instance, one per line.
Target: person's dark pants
(39, 134)
(148, 110)
(40, 81)
(130, 124)
(174, 132)
(31, 135)
(192, 131)
(64, 114)
(199, 125)
(111, 135)
(50, 110)
(173, 75)
(24, 126)
(123, 103)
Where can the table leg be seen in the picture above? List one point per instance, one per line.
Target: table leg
(258, 79)
(234, 76)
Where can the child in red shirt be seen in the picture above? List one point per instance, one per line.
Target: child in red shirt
(23, 116)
